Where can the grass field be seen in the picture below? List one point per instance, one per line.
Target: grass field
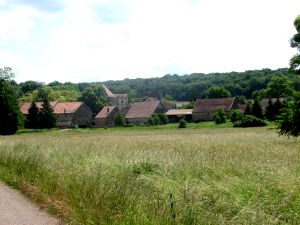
(158, 176)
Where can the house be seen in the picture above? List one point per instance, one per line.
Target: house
(242, 106)
(24, 107)
(174, 115)
(105, 118)
(118, 100)
(72, 114)
(204, 109)
(67, 113)
(139, 112)
(265, 102)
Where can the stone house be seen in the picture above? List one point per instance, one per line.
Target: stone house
(118, 100)
(139, 112)
(105, 118)
(204, 109)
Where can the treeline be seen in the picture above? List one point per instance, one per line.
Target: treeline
(172, 87)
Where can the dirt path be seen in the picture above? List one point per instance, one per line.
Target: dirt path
(15, 209)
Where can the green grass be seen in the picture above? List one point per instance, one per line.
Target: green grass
(158, 175)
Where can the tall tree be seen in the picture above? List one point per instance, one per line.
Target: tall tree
(94, 101)
(32, 120)
(217, 92)
(279, 87)
(47, 119)
(10, 116)
(256, 109)
(295, 43)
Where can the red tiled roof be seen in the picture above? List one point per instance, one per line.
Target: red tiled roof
(26, 105)
(142, 109)
(108, 92)
(179, 112)
(66, 107)
(211, 105)
(105, 112)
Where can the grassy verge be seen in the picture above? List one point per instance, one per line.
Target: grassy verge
(165, 176)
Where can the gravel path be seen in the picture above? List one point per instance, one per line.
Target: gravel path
(15, 209)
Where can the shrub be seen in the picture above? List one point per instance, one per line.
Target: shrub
(250, 121)
(236, 115)
(155, 119)
(220, 116)
(163, 118)
(119, 120)
(182, 124)
(151, 121)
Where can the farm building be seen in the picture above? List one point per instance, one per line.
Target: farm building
(174, 115)
(105, 118)
(118, 100)
(139, 112)
(67, 113)
(204, 109)
(72, 114)
(25, 106)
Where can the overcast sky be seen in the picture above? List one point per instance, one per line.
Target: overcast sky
(98, 40)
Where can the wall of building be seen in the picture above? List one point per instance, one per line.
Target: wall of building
(82, 115)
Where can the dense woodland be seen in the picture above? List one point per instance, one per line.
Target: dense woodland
(172, 87)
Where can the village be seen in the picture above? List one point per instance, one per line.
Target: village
(78, 114)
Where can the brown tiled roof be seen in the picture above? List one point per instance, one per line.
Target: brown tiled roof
(211, 105)
(105, 112)
(108, 92)
(179, 112)
(66, 107)
(142, 109)
(26, 106)
(242, 106)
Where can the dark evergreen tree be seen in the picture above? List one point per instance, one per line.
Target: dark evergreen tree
(47, 117)
(277, 108)
(119, 120)
(247, 109)
(182, 123)
(10, 116)
(270, 111)
(256, 109)
(32, 120)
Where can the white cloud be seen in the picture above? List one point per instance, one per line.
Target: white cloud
(102, 40)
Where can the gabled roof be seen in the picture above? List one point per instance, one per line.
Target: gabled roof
(142, 109)
(179, 112)
(26, 106)
(106, 111)
(67, 107)
(108, 92)
(211, 105)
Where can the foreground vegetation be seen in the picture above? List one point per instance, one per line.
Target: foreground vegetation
(150, 176)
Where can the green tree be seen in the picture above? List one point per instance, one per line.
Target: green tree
(156, 119)
(256, 109)
(279, 87)
(247, 109)
(270, 115)
(95, 102)
(217, 92)
(119, 120)
(151, 121)
(32, 120)
(295, 43)
(11, 118)
(236, 115)
(289, 120)
(220, 116)
(47, 119)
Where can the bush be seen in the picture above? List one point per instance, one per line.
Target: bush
(236, 115)
(182, 124)
(119, 120)
(163, 118)
(250, 121)
(151, 121)
(220, 116)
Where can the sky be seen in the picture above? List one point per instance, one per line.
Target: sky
(99, 40)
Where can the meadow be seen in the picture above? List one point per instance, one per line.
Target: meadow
(198, 175)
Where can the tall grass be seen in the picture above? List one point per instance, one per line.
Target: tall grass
(191, 176)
